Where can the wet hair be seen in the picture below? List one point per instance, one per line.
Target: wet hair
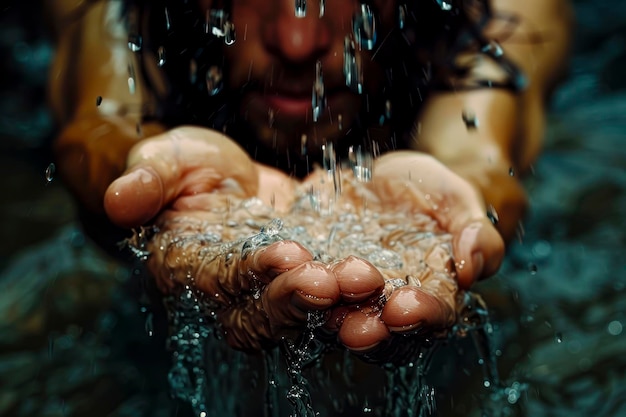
(420, 55)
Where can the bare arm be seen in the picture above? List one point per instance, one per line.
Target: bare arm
(97, 95)
(510, 126)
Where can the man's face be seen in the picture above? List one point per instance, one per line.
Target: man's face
(278, 52)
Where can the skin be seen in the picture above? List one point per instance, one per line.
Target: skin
(293, 283)
(158, 175)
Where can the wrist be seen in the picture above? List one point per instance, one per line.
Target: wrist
(504, 197)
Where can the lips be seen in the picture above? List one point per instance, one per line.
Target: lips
(297, 100)
(289, 105)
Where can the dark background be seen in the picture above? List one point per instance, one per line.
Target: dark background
(73, 339)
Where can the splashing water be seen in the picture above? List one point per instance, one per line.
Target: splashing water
(318, 100)
(217, 24)
(198, 347)
(135, 42)
(300, 8)
(131, 79)
(444, 5)
(364, 27)
(402, 12)
(161, 56)
(352, 70)
(50, 171)
(361, 162)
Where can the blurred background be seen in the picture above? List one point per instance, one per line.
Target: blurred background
(73, 335)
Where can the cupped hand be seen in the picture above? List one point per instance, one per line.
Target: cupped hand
(422, 293)
(191, 178)
(417, 182)
(178, 168)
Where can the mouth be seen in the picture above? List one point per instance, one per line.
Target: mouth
(298, 103)
(289, 105)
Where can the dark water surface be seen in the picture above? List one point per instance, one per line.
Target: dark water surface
(73, 338)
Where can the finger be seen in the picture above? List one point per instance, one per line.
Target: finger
(361, 332)
(291, 295)
(266, 263)
(478, 251)
(183, 161)
(358, 279)
(456, 205)
(411, 308)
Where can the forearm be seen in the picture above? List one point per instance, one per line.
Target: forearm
(98, 96)
(494, 154)
(485, 155)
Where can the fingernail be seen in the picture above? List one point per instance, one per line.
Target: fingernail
(477, 264)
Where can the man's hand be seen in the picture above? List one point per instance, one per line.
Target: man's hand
(209, 199)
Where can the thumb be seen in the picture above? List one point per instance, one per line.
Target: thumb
(478, 251)
(135, 197)
(185, 160)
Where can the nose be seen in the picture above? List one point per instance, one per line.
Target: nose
(297, 40)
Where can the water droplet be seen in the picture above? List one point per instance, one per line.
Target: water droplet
(322, 8)
(135, 42)
(361, 163)
(470, 119)
(492, 214)
(214, 80)
(300, 8)
(50, 170)
(401, 16)
(352, 71)
(217, 24)
(318, 100)
(493, 48)
(329, 162)
(168, 23)
(214, 22)
(303, 142)
(98, 101)
(444, 5)
(615, 328)
(364, 27)
(558, 337)
(149, 326)
(131, 79)
(229, 33)
(161, 56)
(511, 172)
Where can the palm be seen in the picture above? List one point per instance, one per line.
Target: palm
(214, 194)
